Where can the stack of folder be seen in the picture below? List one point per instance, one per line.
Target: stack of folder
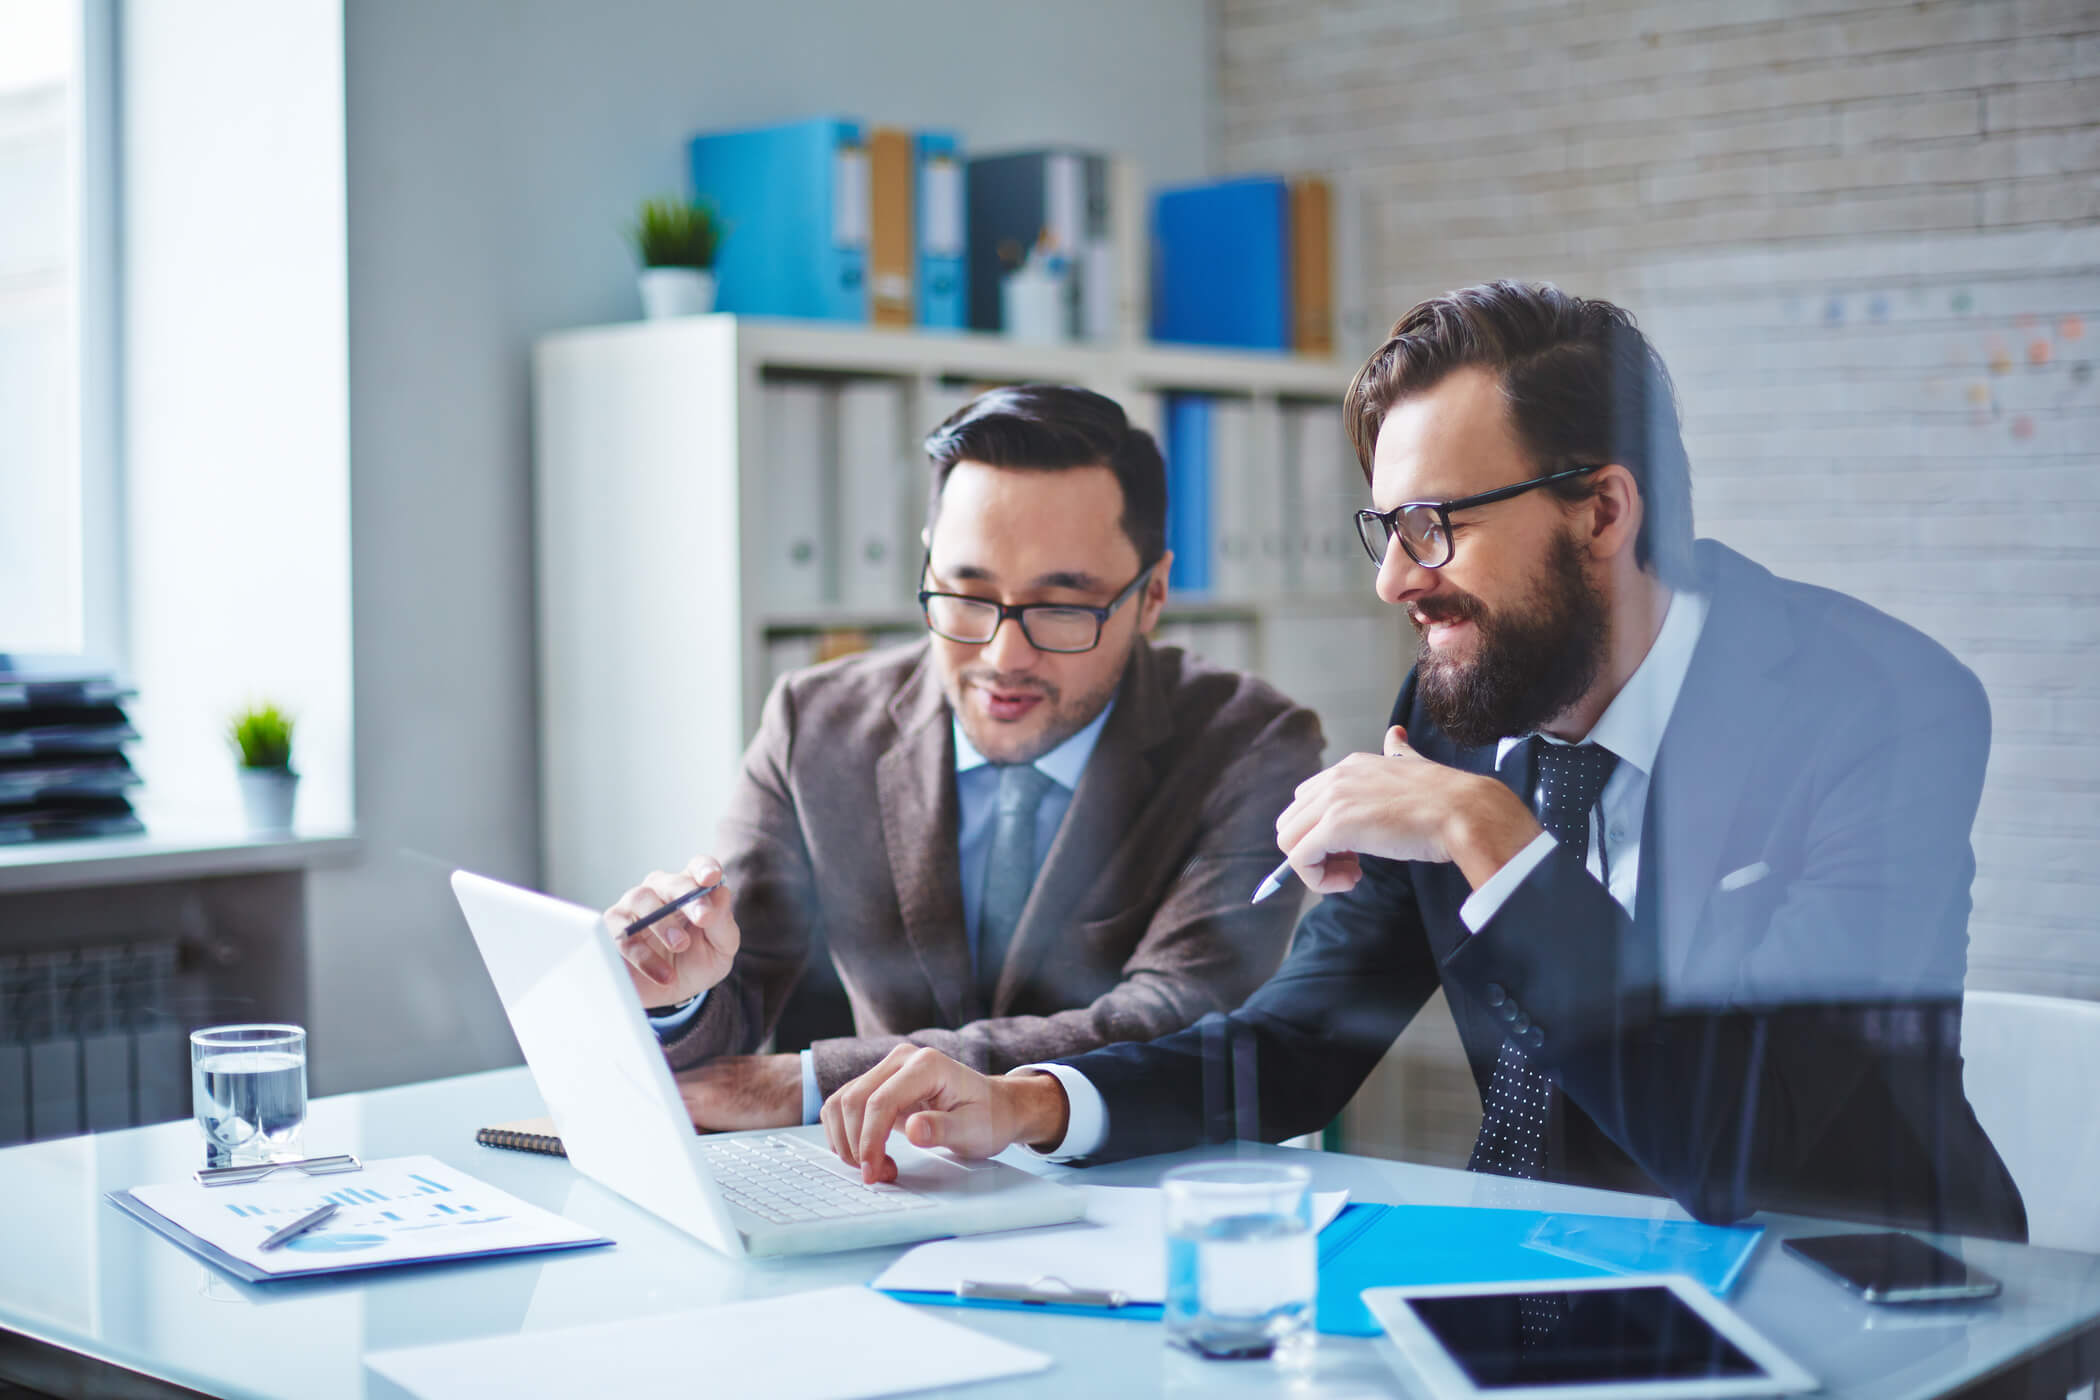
(63, 773)
(1247, 262)
(827, 220)
(1257, 513)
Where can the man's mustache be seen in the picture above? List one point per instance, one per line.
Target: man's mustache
(1454, 607)
(1018, 685)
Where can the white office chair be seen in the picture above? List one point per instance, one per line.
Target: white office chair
(2032, 1063)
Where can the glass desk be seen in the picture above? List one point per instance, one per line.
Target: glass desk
(83, 1287)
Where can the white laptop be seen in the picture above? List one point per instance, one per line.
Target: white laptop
(606, 1084)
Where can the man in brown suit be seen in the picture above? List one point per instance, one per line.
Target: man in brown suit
(1028, 836)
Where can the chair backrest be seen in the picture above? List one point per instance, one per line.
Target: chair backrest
(2033, 1076)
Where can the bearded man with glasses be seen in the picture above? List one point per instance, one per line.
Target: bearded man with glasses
(1028, 836)
(1684, 844)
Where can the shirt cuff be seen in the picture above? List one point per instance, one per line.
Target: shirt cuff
(1086, 1115)
(812, 1101)
(1487, 901)
(672, 1024)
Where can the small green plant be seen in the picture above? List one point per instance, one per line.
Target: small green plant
(672, 232)
(262, 736)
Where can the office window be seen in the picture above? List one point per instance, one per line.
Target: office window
(47, 261)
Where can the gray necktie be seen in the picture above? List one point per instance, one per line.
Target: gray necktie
(1513, 1126)
(1009, 871)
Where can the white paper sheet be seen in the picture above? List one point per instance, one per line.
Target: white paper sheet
(871, 1345)
(1120, 1245)
(398, 1209)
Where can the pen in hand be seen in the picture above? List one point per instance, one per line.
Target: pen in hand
(300, 1226)
(679, 903)
(1273, 883)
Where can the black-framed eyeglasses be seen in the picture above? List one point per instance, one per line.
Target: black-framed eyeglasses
(1060, 627)
(1424, 527)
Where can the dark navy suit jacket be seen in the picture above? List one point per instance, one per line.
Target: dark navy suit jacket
(1785, 1038)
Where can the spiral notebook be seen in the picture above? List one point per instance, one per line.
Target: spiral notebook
(523, 1135)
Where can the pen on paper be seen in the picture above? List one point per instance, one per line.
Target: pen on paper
(679, 903)
(300, 1226)
(1273, 883)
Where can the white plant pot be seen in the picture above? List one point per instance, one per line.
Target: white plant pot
(676, 291)
(268, 795)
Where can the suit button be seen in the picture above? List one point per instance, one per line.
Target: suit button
(1521, 1024)
(1495, 995)
(1534, 1037)
(1508, 1014)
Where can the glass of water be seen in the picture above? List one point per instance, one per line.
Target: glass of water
(249, 1087)
(1242, 1262)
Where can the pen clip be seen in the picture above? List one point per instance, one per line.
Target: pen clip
(1047, 1289)
(256, 1171)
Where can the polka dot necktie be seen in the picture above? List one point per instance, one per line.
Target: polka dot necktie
(1512, 1142)
(1009, 870)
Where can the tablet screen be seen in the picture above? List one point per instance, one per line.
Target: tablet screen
(1582, 1337)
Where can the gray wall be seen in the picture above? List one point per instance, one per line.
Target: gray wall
(495, 146)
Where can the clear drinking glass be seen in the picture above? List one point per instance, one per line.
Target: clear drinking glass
(249, 1087)
(1242, 1260)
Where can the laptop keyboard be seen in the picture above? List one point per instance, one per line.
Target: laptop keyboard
(786, 1180)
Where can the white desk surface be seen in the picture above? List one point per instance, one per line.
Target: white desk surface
(77, 1273)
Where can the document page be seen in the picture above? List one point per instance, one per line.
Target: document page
(1121, 1245)
(869, 1345)
(393, 1211)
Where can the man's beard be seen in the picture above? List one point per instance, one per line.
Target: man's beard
(1531, 662)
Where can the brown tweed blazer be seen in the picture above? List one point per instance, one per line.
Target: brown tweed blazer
(843, 821)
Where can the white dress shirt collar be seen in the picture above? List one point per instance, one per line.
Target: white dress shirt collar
(1632, 724)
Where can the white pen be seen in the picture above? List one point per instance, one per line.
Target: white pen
(1273, 883)
(300, 1226)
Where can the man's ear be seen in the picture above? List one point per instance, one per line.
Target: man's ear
(1153, 598)
(1614, 511)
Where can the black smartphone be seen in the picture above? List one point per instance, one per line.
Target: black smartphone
(1891, 1267)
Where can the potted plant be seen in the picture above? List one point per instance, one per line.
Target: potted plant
(261, 736)
(676, 241)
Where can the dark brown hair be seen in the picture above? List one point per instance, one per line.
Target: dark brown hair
(1582, 383)
(1051, 427)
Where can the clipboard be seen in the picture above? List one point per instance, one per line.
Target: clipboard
(521, 1228)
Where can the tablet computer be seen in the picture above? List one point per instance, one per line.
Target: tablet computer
(1637, 1337)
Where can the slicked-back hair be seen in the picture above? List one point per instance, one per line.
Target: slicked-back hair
(1582, 383)
(1054, 427)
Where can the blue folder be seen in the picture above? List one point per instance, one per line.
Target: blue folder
(1221, 272)
(789, 246)
(1374, 1246)
(1187, 450)
(944, 289)
(1369, 1246)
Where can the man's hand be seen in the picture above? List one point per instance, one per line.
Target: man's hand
(940, 1104)
(684, 953)
(1400, 807)
(734, 1092)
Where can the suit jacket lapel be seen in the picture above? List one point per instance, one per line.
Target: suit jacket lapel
(1119, 777)
(1724, 725)
(915, 786)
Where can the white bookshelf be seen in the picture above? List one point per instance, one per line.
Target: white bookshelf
(655, 629)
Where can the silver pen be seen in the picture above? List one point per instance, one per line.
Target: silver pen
(300, 1226)
(1273, 883)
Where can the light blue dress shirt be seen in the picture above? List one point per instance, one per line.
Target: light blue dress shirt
(976, 794)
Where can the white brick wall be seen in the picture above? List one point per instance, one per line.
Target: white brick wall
(1730, 169)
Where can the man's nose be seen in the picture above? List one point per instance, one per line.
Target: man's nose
(1400, 579)
(1009, 649)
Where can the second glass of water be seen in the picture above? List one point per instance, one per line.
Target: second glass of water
(249, 1087)
(1242, 1260)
